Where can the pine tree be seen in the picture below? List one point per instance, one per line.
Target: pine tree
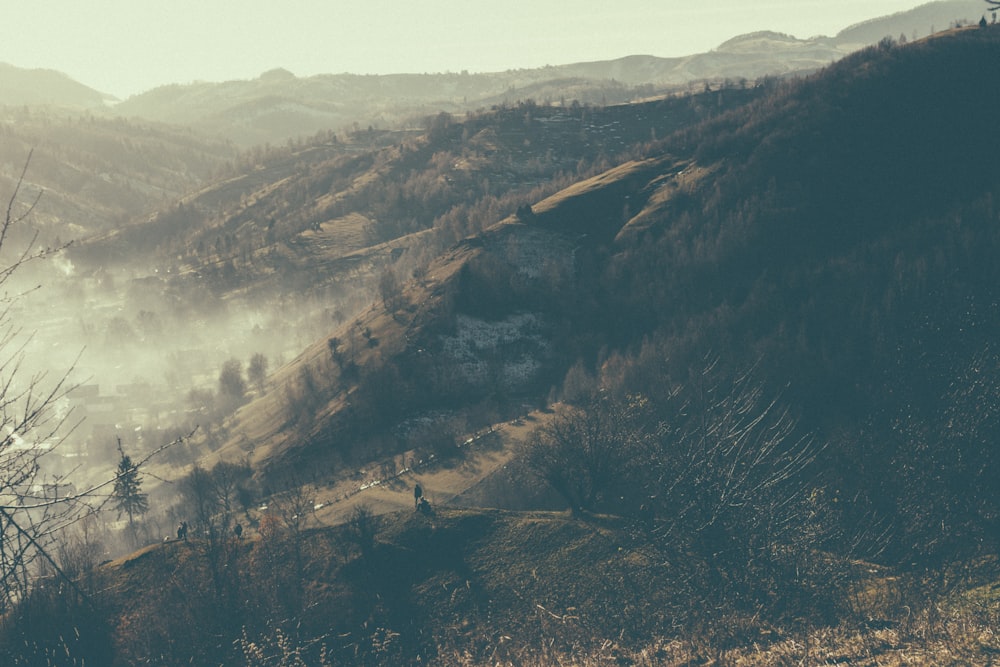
(128, 496)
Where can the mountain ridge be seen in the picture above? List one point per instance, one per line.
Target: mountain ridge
(274, 108)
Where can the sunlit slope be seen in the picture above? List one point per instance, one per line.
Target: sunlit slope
(97, 174)
(791, 231)
(483, 319)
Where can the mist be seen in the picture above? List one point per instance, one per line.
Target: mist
(140, 364)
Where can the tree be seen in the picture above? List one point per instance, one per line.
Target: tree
(585, 452)
(128, 496)
(363, 528)
(231, 382)
(211, 496)
(293, 508)
(29, 424)
(336, 352)
(715, 471)
(390, 290)
(197, 489)
(257, 371)
(728, 485)
(304, 397)
(34, 513)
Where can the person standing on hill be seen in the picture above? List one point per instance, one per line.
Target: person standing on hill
(418, 493)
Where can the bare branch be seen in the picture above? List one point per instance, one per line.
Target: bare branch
(93, 490)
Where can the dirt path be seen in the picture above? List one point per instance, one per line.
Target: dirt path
(441, 482)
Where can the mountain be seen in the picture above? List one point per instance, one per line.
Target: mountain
(273, 108)
(276, 108)
(748, 57)
(44, 87)
(915, 23)
(97, 173)
(279, 105)
(828, 235)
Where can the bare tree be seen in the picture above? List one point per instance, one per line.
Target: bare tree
(30, 515)
(729, 481)
(583, 453)
(206, 501)
(293, 508)
(35, 507)
(390, 290)
(363, 528)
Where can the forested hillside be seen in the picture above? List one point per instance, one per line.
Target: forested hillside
(755, 329)
(834, 237)
(98, 173)
(842, 247)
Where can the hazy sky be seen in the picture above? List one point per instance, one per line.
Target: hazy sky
(124, 47)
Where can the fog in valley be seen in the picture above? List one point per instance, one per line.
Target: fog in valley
(142, 363)
(639, 357)
(146, 350)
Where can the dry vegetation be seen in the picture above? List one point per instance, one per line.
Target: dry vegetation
(488, 588)
(773, 335)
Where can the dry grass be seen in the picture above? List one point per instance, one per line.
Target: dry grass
(964, 639)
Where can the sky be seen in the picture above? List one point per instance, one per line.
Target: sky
(124, 47)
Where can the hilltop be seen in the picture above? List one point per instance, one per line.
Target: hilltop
(45, 87)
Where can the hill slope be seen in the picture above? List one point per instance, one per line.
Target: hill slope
(461, 588)
(98, 174)
(41, 87)
(914, 23)
(831, 245)
(831, 236)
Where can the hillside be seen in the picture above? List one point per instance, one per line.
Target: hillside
(761, 324)
(916, 23)
(686, 274)
(40, 87)
(471, 588)
(807, 236)
(98, 173)
(287, 251)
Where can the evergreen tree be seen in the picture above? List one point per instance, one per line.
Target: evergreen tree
(128, 496)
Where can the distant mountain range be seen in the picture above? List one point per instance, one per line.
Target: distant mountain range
(278, 105)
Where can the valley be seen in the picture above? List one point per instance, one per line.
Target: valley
(701, 374)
